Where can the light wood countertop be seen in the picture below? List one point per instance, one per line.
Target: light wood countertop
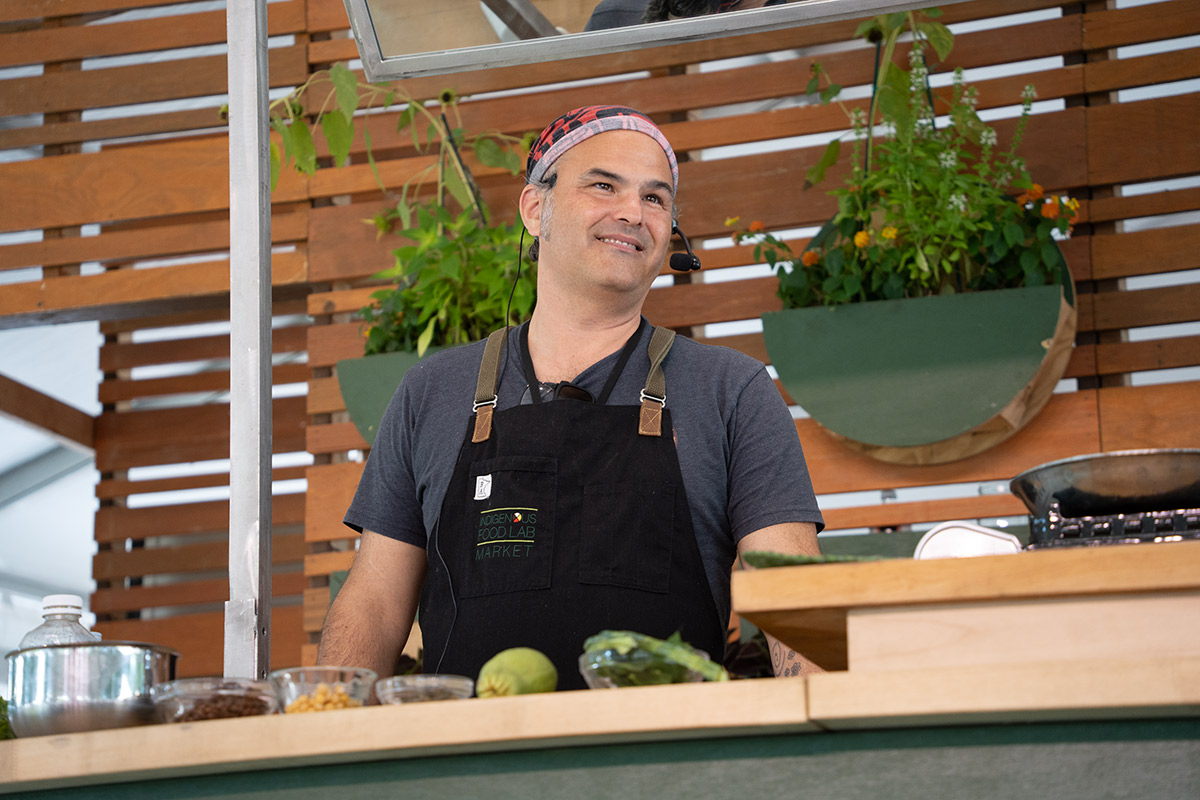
(820, 703)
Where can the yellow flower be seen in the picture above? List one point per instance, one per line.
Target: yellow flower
(862, 239)
(889, 232)
(731, 221)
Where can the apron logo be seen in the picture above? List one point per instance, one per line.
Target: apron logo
(506, 533)
(483, 487)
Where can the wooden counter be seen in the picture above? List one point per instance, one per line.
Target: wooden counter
(1096, 695)
(698, 740)
(1065, 604)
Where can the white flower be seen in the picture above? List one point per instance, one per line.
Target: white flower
(947, 160)
(916, 55)
(1029, 94)
(958, 202)
(858, 118)
(988, 137)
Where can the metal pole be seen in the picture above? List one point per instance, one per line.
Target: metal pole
(248, 611)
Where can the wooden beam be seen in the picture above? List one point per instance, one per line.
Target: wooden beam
(29, 407)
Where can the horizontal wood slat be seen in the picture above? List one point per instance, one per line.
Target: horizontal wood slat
(282, 306)
(1135, 417)
(1118, 136)
(286, 547)
(140, 36)
(193, 121)
(109, 488)
(126, 355)
(1147, 252)
(141, 83)
(1143, 205)
(199, 637)
(1144, 23)
(149, 180)
(1067, 426)
(126, 293)
(331, 490)
(1123, 357)
(185, 593)
(1163, 306)
(114, 524)
(155, 242)
(319, 564)
(16, 10)
(208, 381)
(178, 435)
(1125, 73)
(337, 437)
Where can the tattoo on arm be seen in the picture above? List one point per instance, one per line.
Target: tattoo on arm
(784, 661)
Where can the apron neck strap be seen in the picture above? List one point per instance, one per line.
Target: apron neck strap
(485, 388)
(654, 395)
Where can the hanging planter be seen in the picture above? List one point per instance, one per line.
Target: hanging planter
(367, 386)
(932, 316)
(925, 380)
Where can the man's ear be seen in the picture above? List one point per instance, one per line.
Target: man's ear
(531, 209)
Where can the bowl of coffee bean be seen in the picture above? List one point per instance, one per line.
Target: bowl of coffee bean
(195, 699)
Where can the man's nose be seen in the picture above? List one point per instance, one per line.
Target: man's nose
(629, 208)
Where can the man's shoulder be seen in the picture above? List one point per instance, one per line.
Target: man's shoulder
(713, 358)
(447, 364)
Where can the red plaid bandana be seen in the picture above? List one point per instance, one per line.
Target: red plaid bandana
(583, 123)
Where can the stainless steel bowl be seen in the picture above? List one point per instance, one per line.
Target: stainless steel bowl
(69, 688)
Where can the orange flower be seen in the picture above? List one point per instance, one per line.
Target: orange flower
(862, 239)
(1050, 208)
(757, 227)
(810, 258)
(1035, 193)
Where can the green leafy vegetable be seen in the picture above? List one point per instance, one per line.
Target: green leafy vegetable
(5, 729)
(635, 659)
(765, 558)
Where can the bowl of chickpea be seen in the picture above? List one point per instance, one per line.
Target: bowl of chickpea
(304, 689)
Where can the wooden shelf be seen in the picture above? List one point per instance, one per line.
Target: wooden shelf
(810, 607)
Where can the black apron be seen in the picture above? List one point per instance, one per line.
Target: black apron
(563, 519)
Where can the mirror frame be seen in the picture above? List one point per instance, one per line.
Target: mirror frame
(378, 67)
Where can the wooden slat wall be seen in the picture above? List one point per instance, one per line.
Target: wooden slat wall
(131, 203)
(1094, 145)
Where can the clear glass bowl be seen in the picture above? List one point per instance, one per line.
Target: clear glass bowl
(302, 689)
(608, 669)
(195, 699)
(423, 688)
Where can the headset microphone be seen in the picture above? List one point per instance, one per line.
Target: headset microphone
(679, 261)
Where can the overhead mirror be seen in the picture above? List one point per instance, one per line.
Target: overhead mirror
(408, 38)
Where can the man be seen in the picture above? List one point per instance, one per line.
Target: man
(577, 493)
(619, 13)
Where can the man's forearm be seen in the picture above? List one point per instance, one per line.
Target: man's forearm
(786, 662)
(355, 636)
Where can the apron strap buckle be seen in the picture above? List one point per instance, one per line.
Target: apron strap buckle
(650, 420)
(483, 419)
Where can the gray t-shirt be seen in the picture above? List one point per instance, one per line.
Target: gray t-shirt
(742, 464)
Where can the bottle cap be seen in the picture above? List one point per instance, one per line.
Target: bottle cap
(67, 602)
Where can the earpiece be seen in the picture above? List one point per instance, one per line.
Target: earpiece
(681, 262)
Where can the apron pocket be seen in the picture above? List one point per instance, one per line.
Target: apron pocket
(627, 536)
(510, 525)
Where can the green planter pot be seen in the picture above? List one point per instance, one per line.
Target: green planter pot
(367, 385)
(925, 380)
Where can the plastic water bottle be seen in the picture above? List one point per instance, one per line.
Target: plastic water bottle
(61, 625)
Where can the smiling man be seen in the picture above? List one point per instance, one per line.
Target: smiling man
(607, 473)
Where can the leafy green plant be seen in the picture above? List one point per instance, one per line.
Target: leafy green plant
(926, 210)
(454, 276)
